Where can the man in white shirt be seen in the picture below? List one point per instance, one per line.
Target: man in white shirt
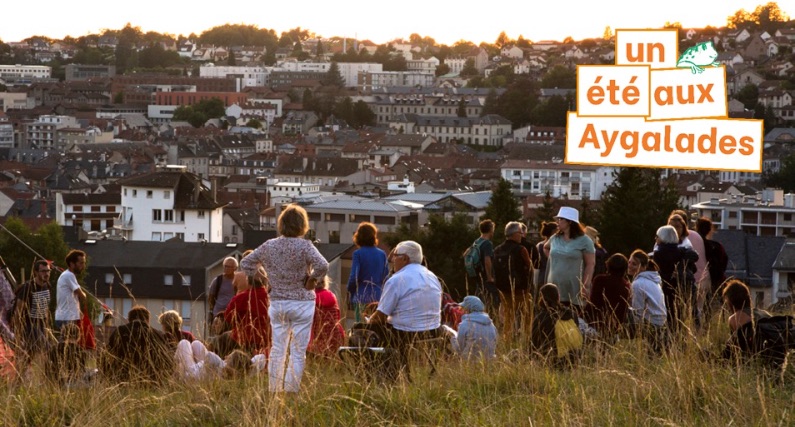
(411, 302)
(69, 295)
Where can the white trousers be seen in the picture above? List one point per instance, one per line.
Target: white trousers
(291, 324)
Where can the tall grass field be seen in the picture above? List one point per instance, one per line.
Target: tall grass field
(611, 386)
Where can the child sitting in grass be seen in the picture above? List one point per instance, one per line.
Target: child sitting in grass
(477, 336)
(66, 362)
(555, 335)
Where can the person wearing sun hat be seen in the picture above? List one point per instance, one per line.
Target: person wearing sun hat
(477, 336)
(571, 259)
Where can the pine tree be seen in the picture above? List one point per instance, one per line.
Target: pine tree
(633, 207)
(503, 208)
(333, 76)
(546, 212)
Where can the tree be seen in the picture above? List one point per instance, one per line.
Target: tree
(254, 123)
(462, 108)
(469, 69)
(231, 60)
(546, 212)
(442, 241)
(560, 77)
(199, 113)
(502, 40)
(749, 96)
(634, 206)
(768, 17)
(48, 241)
(608, 34)
(785, 177)
(503, 208)
(551, 112)
(333, 76)
(442, 69)
(362, 115)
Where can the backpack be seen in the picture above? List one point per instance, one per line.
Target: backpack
(568, 338)
(770, 339)
(509, 270)
(472, 258)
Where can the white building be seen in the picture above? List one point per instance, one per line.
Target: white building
(43, 133)
(245, 76)
(170, 202)
(371, 81)
(770, 214)
(574, 181)
(89, 212)
(348, 70)
(15, 72)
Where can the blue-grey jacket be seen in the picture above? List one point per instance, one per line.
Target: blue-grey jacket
(477, 336)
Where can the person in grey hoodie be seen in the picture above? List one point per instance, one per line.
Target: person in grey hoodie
(648, 301)
(477, 336)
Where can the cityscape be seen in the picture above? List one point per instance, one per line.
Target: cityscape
(147, 147)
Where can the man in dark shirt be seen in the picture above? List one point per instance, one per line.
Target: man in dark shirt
(485, 271)
(137, 352)
(31, 316)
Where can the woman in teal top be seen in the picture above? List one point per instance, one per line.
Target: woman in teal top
(571, 259)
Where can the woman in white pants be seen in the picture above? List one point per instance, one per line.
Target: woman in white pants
(294, 267)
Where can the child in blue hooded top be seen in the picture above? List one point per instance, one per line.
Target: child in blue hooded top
(477, 336)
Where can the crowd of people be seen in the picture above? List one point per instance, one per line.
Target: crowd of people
(271, 309)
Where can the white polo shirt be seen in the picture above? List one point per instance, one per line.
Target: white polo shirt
(413, 299)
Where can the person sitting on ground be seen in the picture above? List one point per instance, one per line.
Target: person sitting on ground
(327, 332)
(477, 335)
(171, 322)
(411, 300)
(648, 310)
(237, 365)
(136, 352)
(247, 312)
(555, 336)
(609, 298)
(737, 298)
(66, 362)
(195, 361)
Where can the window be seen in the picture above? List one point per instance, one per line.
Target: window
(135, 193)
(234, 230)
(181, 236)
(200, 214)
(787, 217)
(185, 280)
(77, 209)
(125, 192)
(185, 313)
(110, 208)
(181, 216)
(126, 306)
(149, 194)
(169, 215)
(127, 279)
(732, 214)
(333, 236)
(96, 208)
(167, 236)
(200, 236)
(156, 236)
(167, 194)
(108, 278)
(157, 215)
(168, 280)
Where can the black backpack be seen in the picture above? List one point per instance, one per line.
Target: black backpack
(508, 264)
(770, 339)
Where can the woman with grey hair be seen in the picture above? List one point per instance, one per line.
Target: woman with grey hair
(677, 266)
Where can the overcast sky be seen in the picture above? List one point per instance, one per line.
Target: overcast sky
(445, 21)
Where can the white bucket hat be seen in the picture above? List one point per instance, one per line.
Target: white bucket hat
(568, 213)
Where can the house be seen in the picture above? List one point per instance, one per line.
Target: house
(769, 214)
(406, 143)
(89, 212)
(168, 203)
(742, 79)
(238, 221)
(755, 49)
(511, 51)
(172, 275)
(572, 181)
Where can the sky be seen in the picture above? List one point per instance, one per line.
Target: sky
(443, 20)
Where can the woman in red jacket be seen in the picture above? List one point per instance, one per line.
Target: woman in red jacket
(327, 332)
(247, 312)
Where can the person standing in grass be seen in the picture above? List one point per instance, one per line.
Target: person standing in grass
(294, 266)
(571, 259)
(70, 296)
(368, 270)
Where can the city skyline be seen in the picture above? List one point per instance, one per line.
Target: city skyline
(442, 21)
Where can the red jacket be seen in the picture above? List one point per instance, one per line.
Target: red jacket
(247, 312)
(327, 333)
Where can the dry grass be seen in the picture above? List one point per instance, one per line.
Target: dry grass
(621, 386)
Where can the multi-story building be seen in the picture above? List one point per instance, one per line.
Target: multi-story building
(190, 98)
(170, 202)
(336, 221)
(559, 179)
(772, 213)
(89, 212)
(43, 133)
(85, 72)
(28, 73)
(370, 81)
(489, 130)
(348, 70)
(123, 83)
(245, 76)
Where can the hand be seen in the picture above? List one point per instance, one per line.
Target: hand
(310, 283)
